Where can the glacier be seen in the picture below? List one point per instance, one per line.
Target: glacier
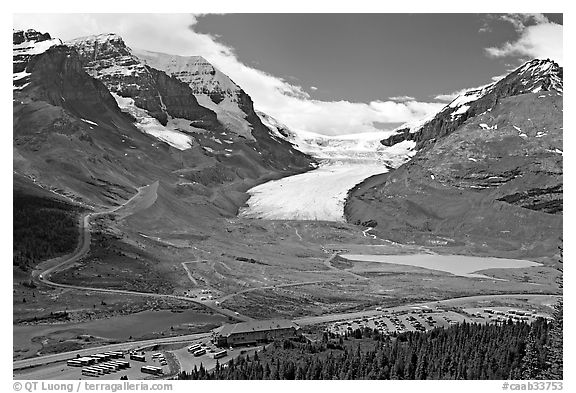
(320, 194)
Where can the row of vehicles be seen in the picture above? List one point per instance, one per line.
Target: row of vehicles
(397, 322)
(503, 316)
(160, 357)
(94, 359)
(100, 363)
(154, 370)
(199, 350)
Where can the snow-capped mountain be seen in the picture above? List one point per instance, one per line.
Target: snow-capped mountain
(202, 77)
(351, 148)
(118, 123)
(160, 104)
(212, 88)
(488, 172)
(25, 45)
(216, 91)
(532, 77)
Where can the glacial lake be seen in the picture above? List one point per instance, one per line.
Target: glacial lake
(458, 265)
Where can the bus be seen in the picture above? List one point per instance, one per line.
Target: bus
(152, 370)
(220, 354)
(138, 358)
(100, 357)
(199, 352)
(110, 367)
(194, 348)
(90, 373)
(74, 363)
(95, 369)
(122, 364)
(86, 361)
(102, 370)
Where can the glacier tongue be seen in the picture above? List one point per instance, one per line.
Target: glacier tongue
(316, 195)
(321, 193)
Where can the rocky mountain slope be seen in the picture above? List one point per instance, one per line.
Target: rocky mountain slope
(233, 107)
(488, 173)
(532, 77)
(93, 122)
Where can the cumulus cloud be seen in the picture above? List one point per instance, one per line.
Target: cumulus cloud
(448, 97)
(288, 102)
(521, 21)
(402, 98)
(313, 88)
(538, 38)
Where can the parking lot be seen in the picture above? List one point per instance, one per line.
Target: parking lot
(503, 314)
(61, 370)
(426, 318)
(188, 360)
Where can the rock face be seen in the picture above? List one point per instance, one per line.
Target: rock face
(27, 44)
(48, 71)
(202, 77)
(107, 58)
(234, 108)
(488, 174)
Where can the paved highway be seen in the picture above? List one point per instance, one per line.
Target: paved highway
(447, 302)
(59, 357)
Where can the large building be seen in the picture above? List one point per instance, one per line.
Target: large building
(256, 331)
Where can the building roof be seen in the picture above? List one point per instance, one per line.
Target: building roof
(257, 326)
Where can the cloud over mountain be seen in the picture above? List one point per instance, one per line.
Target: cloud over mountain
(538, 38)
(287, 102)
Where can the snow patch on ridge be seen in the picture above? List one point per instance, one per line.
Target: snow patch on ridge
(149, 125)
(205, 81)
(35, 47)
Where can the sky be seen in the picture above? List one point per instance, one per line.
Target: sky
(336, 73)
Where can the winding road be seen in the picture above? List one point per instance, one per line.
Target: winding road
(44, 271)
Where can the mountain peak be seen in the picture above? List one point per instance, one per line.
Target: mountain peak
(100, 38)
(100, 46)
(538, 75)
(20, 36)
(535, 76)
(212, 88)
(27, 44)
(198, 72)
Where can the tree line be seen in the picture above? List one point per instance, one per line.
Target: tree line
(42, 228)
(464, 351)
